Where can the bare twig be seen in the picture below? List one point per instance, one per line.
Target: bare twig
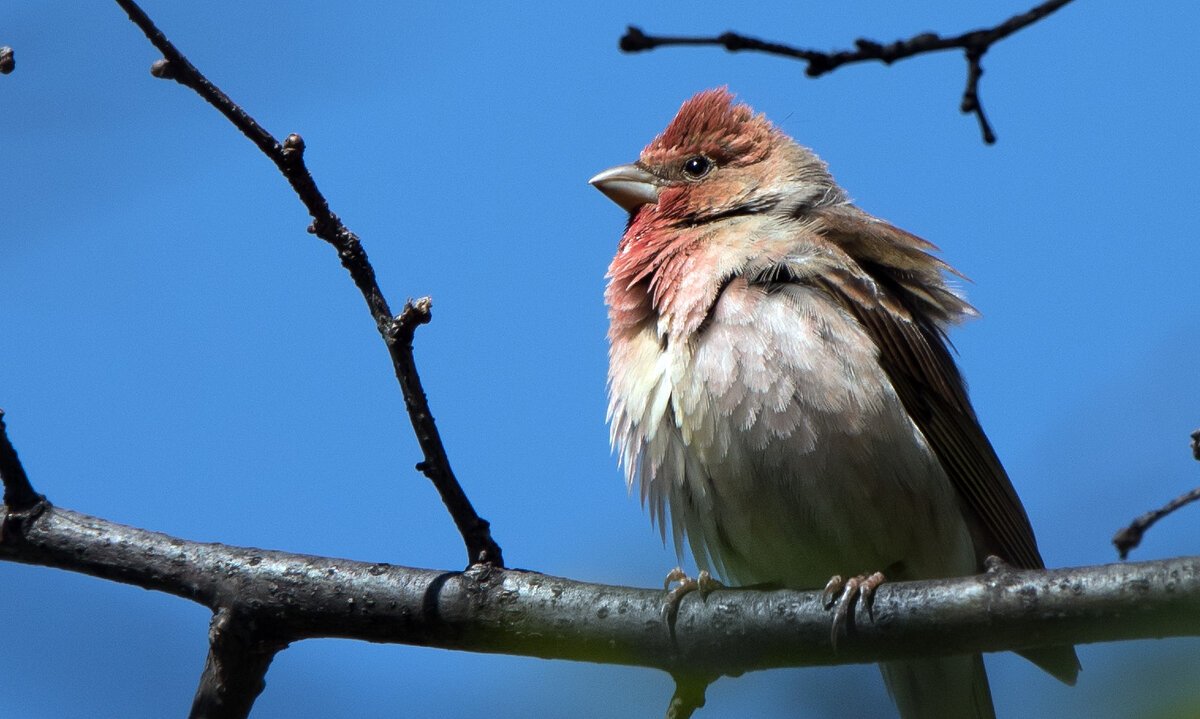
(973, 44)
(731, 631)
(289, 158)
(1128, 538)
(970, 98)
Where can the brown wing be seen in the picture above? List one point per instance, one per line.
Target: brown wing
(914, 355)
(887, 279)
(896, 290)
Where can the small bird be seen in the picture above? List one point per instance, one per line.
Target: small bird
(781, 389)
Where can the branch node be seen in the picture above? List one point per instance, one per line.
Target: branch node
(634, 40)
(733, 42)
(1128, 538)
(970, 100)
(415, 313)
(19, 495)
(924, 41)
(293, 148)
(483, 569)
(16, 522)
(485, 561)
(163, 69)
(865, 45)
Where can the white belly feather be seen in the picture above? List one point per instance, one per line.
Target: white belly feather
(778, 446)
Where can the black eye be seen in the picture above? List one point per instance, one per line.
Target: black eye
(696, 167)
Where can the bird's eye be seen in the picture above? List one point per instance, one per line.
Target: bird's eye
(696, 167)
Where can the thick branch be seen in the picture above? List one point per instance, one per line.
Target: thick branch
(516, 612)
(289, 158)
(973, 44)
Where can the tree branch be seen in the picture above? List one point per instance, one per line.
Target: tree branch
(688, 695)
(239, 655)
(294, 596)
(973, 44)
(1128, 538)
(19, 495)
(397, 332)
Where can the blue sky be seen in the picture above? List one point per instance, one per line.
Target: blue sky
(178, 354)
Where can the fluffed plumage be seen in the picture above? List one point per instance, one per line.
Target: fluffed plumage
(780, 386)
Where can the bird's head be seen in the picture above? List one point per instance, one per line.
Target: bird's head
(716, 159)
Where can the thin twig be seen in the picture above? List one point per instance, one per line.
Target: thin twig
(1128, 538)
(289, 158)
(970, 99)
(974, 44)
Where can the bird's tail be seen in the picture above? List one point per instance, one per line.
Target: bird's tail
(1061, 662)
(940, 687)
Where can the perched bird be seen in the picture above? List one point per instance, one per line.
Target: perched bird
(781, 389)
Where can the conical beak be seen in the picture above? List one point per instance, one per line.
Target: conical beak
(628, 185)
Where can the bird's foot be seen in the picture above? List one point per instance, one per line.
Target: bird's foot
(840, 595)
(995, 565)
(703, 584)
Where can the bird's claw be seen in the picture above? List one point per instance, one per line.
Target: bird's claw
(840, 595)
(703, 584)
(995, 565)
(832, 589)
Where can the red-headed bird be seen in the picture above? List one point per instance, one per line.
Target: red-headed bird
(781, 389)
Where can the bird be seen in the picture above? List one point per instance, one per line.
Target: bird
(782, 392)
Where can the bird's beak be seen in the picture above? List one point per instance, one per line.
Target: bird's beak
(627, 185)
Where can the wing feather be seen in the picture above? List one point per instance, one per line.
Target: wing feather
(885, 278)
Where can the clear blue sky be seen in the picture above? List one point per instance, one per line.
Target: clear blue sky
(178, 354)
